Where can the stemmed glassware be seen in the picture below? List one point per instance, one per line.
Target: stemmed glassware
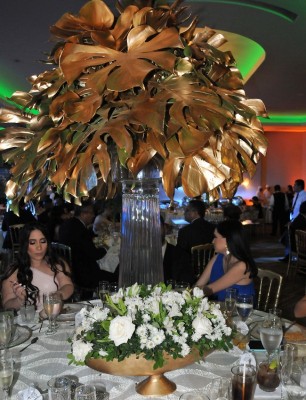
(230, 301)
(244, 306)
(52, 305)
(6, 372)
(271, 334)
(104, 289)
(5, 329)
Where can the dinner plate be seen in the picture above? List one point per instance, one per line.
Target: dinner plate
(69, 310)
(256, 334)
(22, 334)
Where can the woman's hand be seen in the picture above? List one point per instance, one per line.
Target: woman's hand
(19, 291)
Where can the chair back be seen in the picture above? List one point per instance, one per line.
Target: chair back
(200, 255)
(63, 251)
(270, 284)
(14, 231)
(300, 240)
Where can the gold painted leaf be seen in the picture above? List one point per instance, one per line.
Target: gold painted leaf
(127, 90)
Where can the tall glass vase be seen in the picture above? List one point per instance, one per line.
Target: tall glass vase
(141, 246)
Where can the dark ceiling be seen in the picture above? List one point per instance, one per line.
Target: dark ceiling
(279, 26)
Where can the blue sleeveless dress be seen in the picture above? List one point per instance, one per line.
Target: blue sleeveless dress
(217, 272)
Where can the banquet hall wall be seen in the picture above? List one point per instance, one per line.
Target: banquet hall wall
(285, 161)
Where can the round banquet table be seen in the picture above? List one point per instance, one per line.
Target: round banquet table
(47, 358)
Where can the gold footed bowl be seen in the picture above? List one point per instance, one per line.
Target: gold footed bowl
(156, 384)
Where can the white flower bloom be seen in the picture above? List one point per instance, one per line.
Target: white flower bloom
(150, 344)
(197, 292)
(98, 313)
(146, 318)
(116, 297)
(83, 312)
(80, 350)
(133, 290)
(175, 311)
(121, 330)
(185, 350)
(168, 323)
(141, 330)
(202, 325)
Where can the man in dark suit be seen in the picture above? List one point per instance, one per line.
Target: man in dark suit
(197, 232)
(75, 233)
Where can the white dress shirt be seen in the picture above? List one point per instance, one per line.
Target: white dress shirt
(298, 199)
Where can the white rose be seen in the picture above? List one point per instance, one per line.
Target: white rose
(121, 330)
(202, 325)
(80, 350)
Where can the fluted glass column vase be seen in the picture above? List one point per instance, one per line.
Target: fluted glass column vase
(141, 247)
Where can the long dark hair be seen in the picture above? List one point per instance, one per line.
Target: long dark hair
(237, 244)
(23, 263)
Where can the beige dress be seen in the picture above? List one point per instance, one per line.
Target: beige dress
(45, 284)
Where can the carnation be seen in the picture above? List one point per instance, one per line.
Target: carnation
(149, 321)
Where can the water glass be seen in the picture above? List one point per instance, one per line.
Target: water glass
(27, 313)
(85, 392)
(268, 376)
(6, 372)
(59, 388)
(6, 328)
(243, 382)
(244, 306)
(219, 388)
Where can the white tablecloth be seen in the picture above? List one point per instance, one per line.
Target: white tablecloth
(47, 358)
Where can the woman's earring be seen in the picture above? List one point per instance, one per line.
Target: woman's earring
(227, 252)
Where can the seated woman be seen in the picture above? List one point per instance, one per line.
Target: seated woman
(38, 270)
(232, 266)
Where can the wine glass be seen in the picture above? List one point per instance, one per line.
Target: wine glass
(52, 305)
(271, 334)
(104, 290)
(244, 305)
(230, 301)
(5, 329)
(6, 372)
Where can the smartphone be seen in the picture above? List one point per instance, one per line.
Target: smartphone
(256, 345)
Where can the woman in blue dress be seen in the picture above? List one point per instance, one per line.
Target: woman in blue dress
(232, 266)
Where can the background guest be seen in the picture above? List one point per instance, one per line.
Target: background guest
(38, 270)
(258, 207)
(299, 197)
(232, 266)
(279, 205)
(231, 211)
(74, 232)
(298, 223)
(197, 232)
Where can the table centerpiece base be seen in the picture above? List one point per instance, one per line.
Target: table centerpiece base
(156, 384)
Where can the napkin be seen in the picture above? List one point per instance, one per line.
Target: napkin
(29, 394)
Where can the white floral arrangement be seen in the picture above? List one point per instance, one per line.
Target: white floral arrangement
(150, 321)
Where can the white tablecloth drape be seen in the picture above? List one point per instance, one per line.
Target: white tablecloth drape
(47, 358)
